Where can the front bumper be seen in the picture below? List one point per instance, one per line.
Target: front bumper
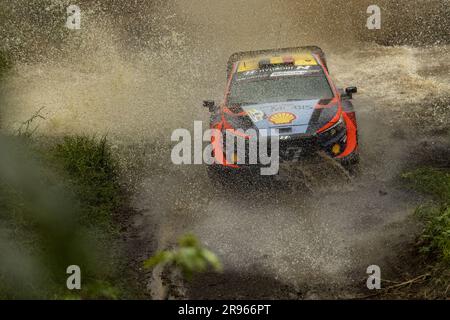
(340, 144)
(293, 148)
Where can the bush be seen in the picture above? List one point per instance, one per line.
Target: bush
(47, 223)
(93, 172)
(40, 235)
(435, 239)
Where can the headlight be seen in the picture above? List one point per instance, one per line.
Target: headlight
(335, 128)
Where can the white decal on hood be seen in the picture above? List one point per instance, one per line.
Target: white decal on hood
(256, 115)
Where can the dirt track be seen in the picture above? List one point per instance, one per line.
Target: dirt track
(313, 241)
(140, 81)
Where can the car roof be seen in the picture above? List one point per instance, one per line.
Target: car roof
(295, 59)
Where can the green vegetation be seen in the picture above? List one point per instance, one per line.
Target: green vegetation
(5, 63)
(434, 241)
(190, 257)
(435, 238)
(94, 175)
(56, 209)
(58, 202)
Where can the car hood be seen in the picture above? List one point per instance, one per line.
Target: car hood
(297, 116)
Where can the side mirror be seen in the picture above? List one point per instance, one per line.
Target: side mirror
(350, 91)
(210, 104)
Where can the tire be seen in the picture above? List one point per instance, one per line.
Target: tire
(351, 164)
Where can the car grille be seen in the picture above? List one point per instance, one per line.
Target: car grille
(290, 149)
(298, 147)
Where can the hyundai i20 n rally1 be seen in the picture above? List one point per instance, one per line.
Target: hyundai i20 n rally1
(289, 90)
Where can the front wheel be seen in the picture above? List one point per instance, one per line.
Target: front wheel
(351, 164)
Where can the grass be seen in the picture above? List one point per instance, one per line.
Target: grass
(93, 172)
(5, 63)
(434, 241)
(56, 209)
(58, 202)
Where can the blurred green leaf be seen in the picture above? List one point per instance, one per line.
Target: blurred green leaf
(190, 257)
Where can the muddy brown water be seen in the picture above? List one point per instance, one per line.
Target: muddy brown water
(138, 71)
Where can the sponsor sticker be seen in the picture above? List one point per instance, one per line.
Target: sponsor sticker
(256, 115)
(278, 71)
(282, 118)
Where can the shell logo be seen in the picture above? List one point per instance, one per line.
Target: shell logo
(282, 118)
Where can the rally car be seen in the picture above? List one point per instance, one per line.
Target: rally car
(291, 90)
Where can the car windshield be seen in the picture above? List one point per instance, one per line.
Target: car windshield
(279, 89)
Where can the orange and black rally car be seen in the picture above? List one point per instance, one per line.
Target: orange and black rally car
(290, 90)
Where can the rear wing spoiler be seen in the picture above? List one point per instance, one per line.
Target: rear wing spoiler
(253, 54)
